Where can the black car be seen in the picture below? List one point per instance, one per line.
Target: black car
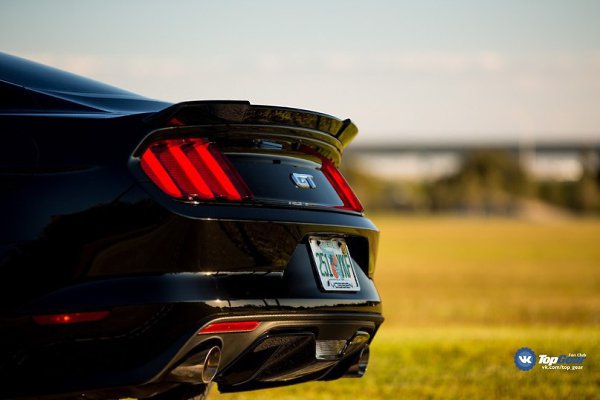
(150, 249)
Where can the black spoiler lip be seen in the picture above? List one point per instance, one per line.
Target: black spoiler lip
(236, 112)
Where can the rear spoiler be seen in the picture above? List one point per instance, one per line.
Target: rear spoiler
(244, 113)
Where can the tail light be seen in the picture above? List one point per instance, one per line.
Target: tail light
(193, 169)
(230, 327)
(70, 318)
(339, 183)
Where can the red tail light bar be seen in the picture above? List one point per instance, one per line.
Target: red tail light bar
(193, 169)
(229, 327)
(339, 183)
(70, 318)
(337, 180)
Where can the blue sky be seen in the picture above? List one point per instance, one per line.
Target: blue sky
(422, 70)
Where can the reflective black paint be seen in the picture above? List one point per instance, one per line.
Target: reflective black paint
(83, 229)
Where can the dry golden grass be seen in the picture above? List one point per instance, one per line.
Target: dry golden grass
(488, 271)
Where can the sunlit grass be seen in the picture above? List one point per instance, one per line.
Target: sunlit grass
(458, 363)
(461, 296)
(483, 271)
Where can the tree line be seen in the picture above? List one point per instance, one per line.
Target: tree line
(488, 181)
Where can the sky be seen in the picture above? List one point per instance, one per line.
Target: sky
(483, 71)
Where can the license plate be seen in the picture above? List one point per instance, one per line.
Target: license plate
(333, 264)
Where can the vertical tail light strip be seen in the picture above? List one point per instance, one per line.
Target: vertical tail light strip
(207, 158)
(339, 183)
(193, 169)
(198, 186)
(341, 186)
(157, 173)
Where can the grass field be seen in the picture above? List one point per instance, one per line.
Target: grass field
(461, 295)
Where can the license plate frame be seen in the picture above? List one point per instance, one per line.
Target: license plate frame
(333, 265)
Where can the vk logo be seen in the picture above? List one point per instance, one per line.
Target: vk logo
(524, 359)
(303, 181)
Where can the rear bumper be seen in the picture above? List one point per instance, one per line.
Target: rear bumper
(163, 273)
(290, 348)
(153, 326)
(139, 363)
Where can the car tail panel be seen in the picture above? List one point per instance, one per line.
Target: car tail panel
(252, 155)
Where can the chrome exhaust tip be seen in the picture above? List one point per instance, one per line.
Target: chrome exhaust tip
(211, 364)
(201, 367)
(359, 368)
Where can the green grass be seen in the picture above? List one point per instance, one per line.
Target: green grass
(461, 296)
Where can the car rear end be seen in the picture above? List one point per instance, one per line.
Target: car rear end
(227, 248)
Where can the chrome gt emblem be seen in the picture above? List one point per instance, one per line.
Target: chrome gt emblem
(303, 181)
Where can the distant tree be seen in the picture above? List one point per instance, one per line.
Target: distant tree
(586, 196)
(488, 181)
(582, 195)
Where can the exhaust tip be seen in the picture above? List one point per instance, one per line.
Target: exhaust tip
(211, 364)
(201, 367)
(359, 368)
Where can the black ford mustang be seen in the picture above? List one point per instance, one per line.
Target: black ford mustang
(148, 249)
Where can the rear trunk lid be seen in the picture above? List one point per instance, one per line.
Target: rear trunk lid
(234, 153)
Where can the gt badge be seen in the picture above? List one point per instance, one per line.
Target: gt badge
(303, 181)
